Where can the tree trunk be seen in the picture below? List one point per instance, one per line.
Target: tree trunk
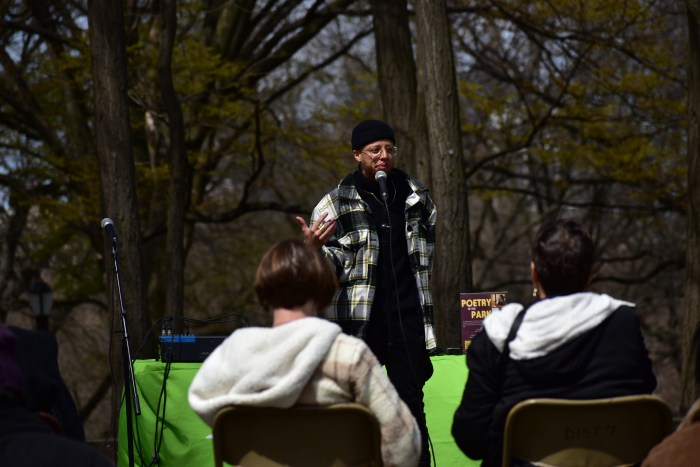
(690, 391)
(9, 244)
(117, 175)
(451, 271)
(179, 171)
(402, 103)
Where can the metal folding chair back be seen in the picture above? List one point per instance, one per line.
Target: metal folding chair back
(336, 435)
(576, 433)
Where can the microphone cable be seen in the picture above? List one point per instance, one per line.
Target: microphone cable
(159, 430)
(236, 318)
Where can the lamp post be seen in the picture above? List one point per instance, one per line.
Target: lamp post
(41, 302)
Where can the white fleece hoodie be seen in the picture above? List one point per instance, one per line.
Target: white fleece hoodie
(275, 365)
(550, 323)
(310, 362)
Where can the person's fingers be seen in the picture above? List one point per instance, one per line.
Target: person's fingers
(328, 233)
(320, 221)
(302, 222)
(320, 231)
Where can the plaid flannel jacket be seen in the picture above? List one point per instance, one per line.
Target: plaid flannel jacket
(354, 250)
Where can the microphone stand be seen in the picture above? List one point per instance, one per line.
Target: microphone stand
(128, 364)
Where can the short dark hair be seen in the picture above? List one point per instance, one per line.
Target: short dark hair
(291, 273)
(563, 255)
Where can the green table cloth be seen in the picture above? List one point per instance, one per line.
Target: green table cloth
(169, 429)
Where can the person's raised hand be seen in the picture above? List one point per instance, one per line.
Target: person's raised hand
(318, 234)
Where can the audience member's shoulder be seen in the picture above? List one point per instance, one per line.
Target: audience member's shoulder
(626, 314)
(351, 348)
(348, 341)
(27, 337)
(627, 310)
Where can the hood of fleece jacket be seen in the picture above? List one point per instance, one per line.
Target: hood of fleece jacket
(551, 324)
(257, 366)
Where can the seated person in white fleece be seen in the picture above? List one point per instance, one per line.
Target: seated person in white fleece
(302, 359)
(571, 344)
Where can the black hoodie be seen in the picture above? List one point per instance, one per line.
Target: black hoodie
(581, 346)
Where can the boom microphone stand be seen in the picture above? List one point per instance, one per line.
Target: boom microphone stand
(127, 362)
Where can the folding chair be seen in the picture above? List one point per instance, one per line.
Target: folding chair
(336, 435)
(600, 432)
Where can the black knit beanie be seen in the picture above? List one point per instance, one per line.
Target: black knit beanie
(369, 131)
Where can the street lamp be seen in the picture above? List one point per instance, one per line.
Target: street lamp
(41, 302)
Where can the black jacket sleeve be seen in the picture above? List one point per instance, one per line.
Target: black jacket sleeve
(471, 425)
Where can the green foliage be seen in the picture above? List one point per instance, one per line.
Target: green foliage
(595, 92)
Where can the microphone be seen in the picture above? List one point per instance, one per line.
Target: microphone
(108, 226)
(380, 176)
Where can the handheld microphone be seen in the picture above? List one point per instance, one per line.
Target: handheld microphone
(380, 177)
(108, 226)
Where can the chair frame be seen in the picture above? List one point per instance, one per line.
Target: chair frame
(564, 432)
(335, 435)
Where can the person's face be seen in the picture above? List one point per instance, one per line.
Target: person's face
(376, 156)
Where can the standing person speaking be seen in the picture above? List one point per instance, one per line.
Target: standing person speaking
(377, 228)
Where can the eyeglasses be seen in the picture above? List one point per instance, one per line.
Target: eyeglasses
(376, 151)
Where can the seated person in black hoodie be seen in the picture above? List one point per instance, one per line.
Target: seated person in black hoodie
(45, 389)
(26, 439)
(571, 344)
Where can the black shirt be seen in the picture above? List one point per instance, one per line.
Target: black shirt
(396, 288)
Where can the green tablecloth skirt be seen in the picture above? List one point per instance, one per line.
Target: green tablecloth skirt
(169, 429)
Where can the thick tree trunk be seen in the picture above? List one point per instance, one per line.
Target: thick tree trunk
(401, 98)
(179, 170)
(690, 390)
(115, 158)
(451, 271)
(9, 243)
